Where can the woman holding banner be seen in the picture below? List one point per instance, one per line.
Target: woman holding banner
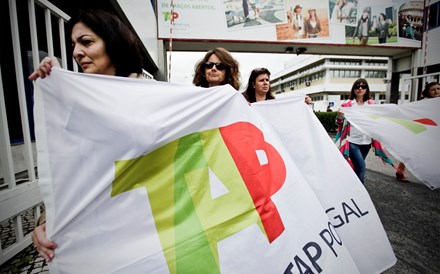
(217, 67)
(98, 40)
(258, 87)
(431, 90)
(352, 143)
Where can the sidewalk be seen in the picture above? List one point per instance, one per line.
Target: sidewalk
(410, 214)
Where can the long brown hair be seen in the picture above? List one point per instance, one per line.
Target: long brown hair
(367, 95)
(232, 75)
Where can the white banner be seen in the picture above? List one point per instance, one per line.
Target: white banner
(337, 187)
(410, 132)
(148, 177)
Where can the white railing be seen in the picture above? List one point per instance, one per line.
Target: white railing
(21, 196)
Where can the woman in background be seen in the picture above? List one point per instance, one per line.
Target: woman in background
(217, 67)
(258, 87)
(431, 90)
(352, 143)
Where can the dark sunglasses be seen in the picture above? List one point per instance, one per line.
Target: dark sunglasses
(218, 66)
(358, 86)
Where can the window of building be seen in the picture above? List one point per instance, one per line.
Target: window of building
(355, 73)
(375, 74)
(345, 97)
(382, 97)
(434, 16)
(345, 62)
(376, 63)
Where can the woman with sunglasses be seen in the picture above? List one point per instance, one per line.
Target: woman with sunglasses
(353, 144)
(218, 67)
(98, 39)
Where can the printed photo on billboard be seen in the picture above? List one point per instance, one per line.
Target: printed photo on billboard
(410, 20)
(372, 27)
(253, 13)
(343, 11)
(305, 20)
(391, 23)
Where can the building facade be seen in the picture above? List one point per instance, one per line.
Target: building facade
(328, 79)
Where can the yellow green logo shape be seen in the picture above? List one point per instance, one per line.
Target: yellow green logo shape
(189, 220)
(415, 126)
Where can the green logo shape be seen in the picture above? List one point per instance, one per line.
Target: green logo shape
(189, 222)
(410, 125)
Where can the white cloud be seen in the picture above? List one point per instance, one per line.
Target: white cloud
(182, 64)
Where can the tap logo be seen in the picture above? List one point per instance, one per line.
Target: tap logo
(192, 213)
(167, 15)
(415, 126)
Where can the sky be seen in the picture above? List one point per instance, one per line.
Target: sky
(182, 64)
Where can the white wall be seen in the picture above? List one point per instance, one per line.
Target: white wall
(143, 19)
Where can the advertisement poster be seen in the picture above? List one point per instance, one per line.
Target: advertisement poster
(362, 22)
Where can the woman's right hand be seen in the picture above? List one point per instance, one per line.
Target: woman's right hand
(43, 245)
(44, 68)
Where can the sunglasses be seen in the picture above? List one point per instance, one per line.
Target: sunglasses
(218, 66)
(360, 86)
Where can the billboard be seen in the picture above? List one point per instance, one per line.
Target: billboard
(393, 23)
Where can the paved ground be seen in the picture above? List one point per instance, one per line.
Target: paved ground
(410, 213)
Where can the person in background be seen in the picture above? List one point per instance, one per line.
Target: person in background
(217, 67)
(258, 87)
(245, 5)
(352, 143)
(102, 44)
(298, 22)
(336, 11)
(312, 25)
(382, 28)
(256, 7)
(431, 90)
(410, 32)
(363, 26)
(346, 10)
